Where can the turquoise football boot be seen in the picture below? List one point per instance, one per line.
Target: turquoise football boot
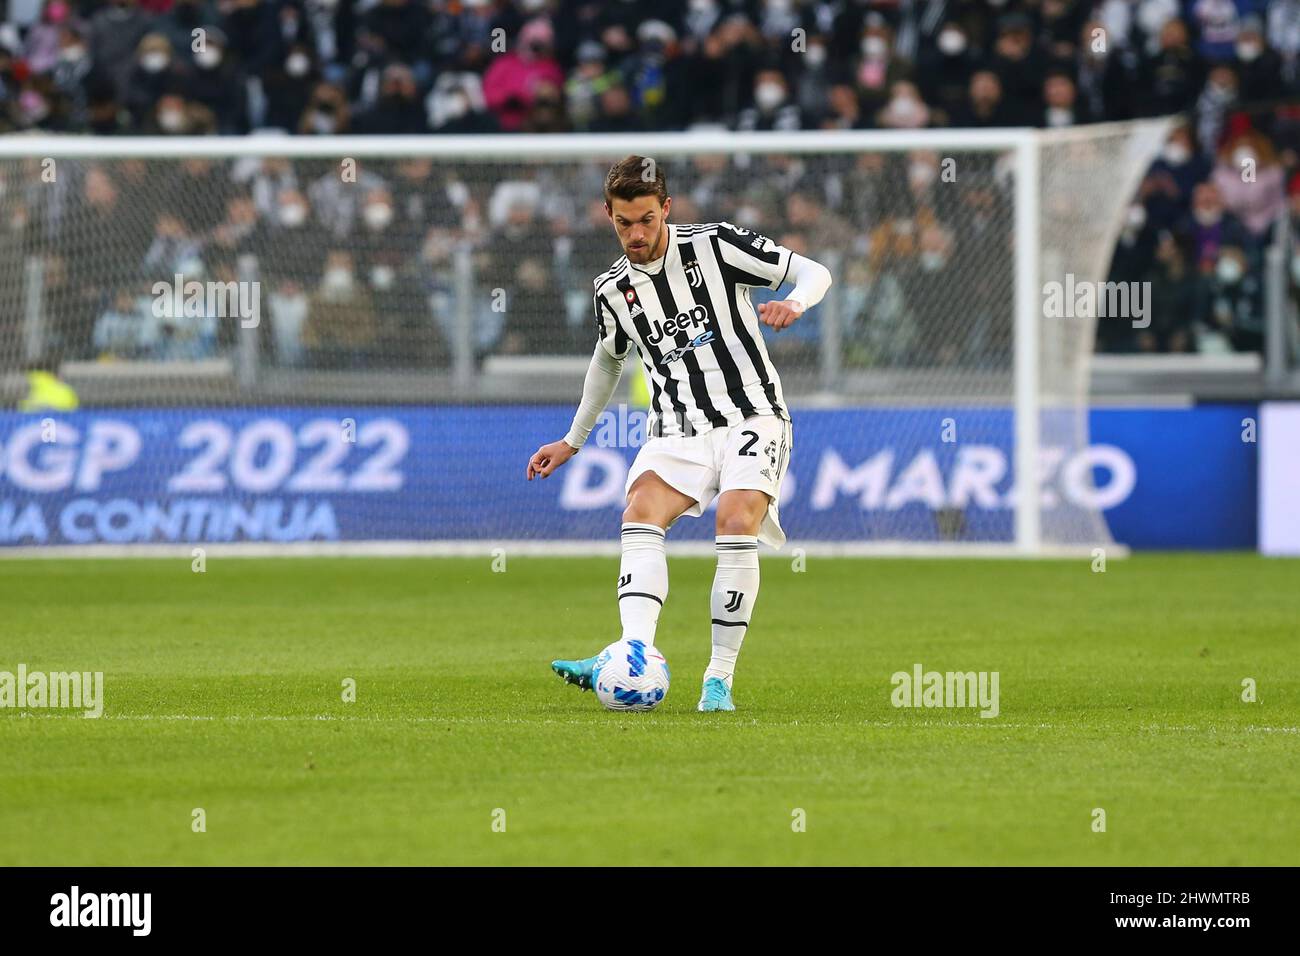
(575, 672)
(716, 695)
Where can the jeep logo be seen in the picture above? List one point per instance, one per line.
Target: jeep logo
(687, 321)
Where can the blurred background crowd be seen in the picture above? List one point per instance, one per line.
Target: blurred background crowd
(368, 272)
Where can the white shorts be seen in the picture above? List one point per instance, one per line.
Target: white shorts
(752, 455)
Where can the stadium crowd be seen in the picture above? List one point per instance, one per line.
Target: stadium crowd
(368, 274)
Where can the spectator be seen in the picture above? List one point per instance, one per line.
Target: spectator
(1284, 37)
(326, 113)
(510, 83)
(126, 329)
(44, 43)
(905, 108)
(185, 17)
(1061, 103)
(1105, 74)
(155, 73)
(1171, 79)
(879, 68)
(398, 110)
(401, 24)
(288, 87)
(1251, 182)
(1212, 227)
(217, 83)
(1167, 188)
(1171, 301)
(844, 110)
(772, 109)
(615, 112)
(1258, 68)
(1236, 300)
(115, 34)
(985, 105)
(256, 40)
(456, 105)
(340, 327)
(1019, 64)
(945, 69)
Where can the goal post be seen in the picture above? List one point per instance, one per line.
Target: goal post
(264, 380)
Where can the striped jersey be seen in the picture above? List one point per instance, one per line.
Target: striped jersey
(690, 317)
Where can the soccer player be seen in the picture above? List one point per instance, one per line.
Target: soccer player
(718, 423)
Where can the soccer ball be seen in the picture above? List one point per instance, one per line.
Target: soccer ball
(630, 675)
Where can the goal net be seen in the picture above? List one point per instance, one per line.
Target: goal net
(357, 342)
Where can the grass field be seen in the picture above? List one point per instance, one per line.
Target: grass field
(1119, 691)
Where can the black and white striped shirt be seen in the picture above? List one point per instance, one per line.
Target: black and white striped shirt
(690, 316)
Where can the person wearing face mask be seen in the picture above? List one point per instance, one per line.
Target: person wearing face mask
(772, 109)
(944, 68)
(1217, 24)
(297, 247)
(905, 109)
(876, 67)
(170, 117)
(814, 78)
(456, 106)
(931, 299)
(341, 326)
(218, 83)
(71, 75)
(326, 113)
(1252, 182)
(43, 44)
(377, 235)
(1134, 252)
(1235, 299)
(155, 72)
(1259, 69)
(1210, 227)
(288, 87)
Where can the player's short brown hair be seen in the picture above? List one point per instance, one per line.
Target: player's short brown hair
(635, 176)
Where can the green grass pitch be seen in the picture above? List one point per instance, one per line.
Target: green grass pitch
(1119, 690)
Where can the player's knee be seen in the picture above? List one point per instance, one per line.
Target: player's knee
(743, 519)
(641, 509)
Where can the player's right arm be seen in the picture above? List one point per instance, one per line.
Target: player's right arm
(597, 389)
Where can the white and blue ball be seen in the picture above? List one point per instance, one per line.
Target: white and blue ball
(630, 675)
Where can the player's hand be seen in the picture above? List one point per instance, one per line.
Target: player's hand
(779, 315)
(549, 457)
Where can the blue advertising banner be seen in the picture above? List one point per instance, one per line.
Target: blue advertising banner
(457, 473)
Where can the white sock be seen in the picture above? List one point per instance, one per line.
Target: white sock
(735, 588)
(642, 581)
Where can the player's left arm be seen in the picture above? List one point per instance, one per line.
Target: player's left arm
(811, 280)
